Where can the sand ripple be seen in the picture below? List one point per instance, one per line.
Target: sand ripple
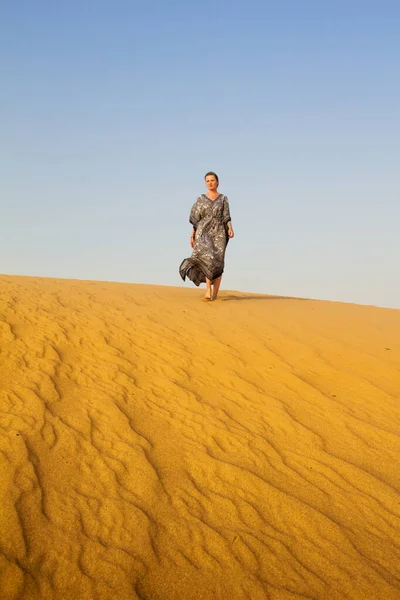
(157, 447)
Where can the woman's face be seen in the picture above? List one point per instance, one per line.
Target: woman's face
(211, 183)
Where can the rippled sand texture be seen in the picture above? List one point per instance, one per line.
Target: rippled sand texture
(156, 446)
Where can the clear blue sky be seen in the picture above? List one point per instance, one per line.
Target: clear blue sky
(111, 112)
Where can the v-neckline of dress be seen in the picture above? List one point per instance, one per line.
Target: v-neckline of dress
(210, 199)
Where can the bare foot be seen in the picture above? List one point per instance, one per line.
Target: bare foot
(208, 295)
(217, 283)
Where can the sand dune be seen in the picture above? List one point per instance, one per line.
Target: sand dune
(155, 446)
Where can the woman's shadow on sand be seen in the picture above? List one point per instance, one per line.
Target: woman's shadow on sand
(258, 297)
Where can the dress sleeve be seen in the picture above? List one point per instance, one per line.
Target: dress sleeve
(226, 212)
(195, 213)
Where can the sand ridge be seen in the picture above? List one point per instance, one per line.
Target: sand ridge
(154, 446)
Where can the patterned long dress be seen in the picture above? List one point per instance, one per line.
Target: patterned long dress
(210, 220)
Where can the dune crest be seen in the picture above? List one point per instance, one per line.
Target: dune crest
(157, 447)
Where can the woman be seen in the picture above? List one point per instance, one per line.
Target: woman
(212, 228)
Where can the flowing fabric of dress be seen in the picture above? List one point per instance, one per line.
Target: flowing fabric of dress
(210, 220)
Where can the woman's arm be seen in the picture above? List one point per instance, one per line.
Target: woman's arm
(227, 218)
(195, 213)
(194, 218)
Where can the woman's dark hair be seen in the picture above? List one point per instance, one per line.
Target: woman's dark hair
(211, 173)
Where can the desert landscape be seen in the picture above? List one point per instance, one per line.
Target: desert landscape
(158, 447)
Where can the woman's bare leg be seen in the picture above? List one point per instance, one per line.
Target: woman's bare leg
(208, 295)
(217, 283)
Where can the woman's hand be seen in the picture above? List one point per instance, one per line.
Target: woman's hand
(231, 233)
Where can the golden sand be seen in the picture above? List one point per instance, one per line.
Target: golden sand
(159, 447)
